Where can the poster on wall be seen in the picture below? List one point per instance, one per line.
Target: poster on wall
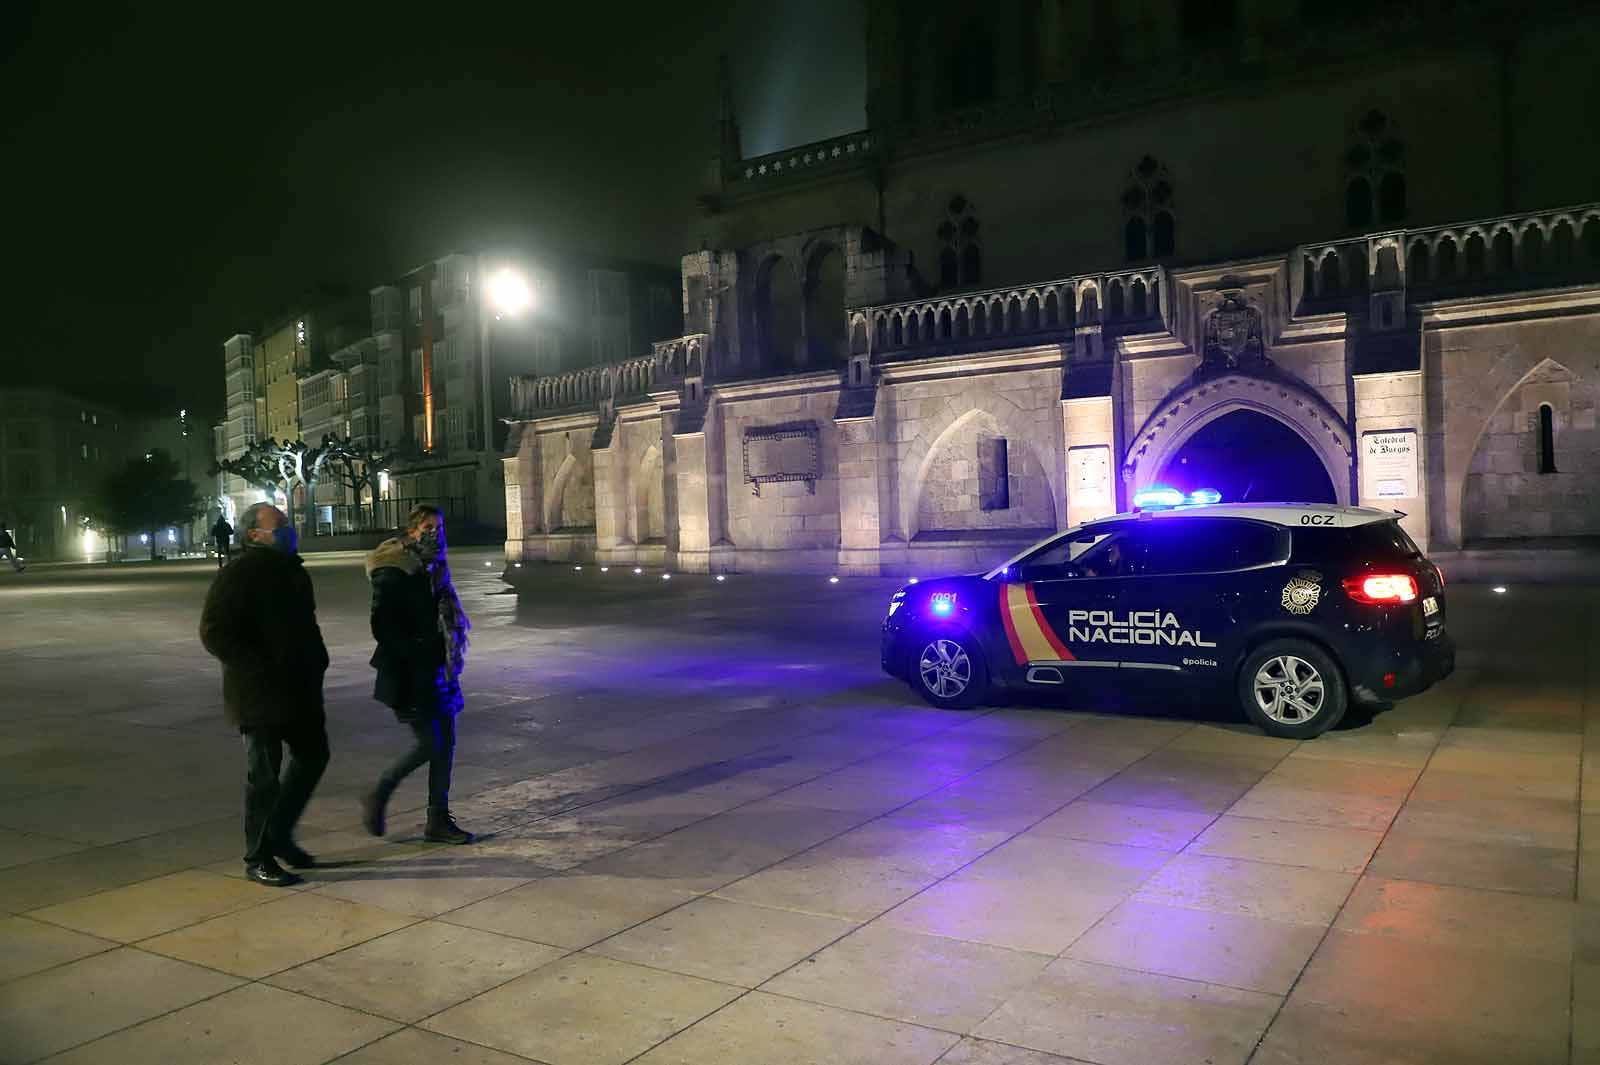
(1089, 476)
(1389, 464)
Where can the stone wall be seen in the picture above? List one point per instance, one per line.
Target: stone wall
(1506, 494)
(792, 515)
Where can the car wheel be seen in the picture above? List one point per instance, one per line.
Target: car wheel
(1292, 689)
(947, 670)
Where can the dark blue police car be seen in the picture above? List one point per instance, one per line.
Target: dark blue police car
(1294, 611)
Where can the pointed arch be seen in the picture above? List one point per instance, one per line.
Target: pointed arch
(1190, 408)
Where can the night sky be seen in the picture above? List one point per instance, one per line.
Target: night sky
(177, 172)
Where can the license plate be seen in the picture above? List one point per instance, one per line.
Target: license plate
(1430, 607)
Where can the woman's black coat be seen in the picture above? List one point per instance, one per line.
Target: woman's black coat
(410, 659)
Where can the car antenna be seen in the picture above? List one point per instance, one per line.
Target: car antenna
(1246, 497)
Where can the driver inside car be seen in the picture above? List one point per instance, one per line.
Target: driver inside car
(1107, 563)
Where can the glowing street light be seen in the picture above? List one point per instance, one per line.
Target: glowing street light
(509, 293)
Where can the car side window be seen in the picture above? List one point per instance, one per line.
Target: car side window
(1095, 551)
(1208, 545)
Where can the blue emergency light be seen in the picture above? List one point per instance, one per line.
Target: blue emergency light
(1205, 495)
(942, 605)
(1156, 497)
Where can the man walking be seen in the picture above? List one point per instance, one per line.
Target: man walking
(422, 645)
(260, 621)
(222, 535)
(8, 548)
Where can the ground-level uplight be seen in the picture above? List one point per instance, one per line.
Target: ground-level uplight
(721, 578)
(489, 565)
(638, 569)
(519, 565)
(833, 580)
(666, 576)
(1499, 589)
(577, 569)
(605, 569)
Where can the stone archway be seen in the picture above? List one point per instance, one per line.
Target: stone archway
(1040, 505)
(1191, 408)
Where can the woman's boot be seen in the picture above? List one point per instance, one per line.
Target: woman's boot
(442, 828)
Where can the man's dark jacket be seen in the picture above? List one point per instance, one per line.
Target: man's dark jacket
(410, 658)
(260, 622)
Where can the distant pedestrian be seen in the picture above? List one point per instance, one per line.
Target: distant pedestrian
(222, 535)
(422, 645)
(260, 621)
(8, 548)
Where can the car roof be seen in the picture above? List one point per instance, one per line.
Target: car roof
(1276, 513)
(1288, 515)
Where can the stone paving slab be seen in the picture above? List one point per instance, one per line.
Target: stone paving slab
(715, 833)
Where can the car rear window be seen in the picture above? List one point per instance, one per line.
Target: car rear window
(1385, 538)
(1359, 545)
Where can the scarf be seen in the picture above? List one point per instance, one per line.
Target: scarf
(453, 623)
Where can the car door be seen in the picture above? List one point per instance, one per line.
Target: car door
(1178, 613)
(1047, 604)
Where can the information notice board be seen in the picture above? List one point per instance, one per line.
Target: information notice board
(1389, 464)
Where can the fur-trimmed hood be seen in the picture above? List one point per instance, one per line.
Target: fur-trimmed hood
(392, 553)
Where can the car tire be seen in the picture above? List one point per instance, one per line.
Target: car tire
(1292, 689)
(947, 669)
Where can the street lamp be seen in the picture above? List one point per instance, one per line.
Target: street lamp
(509, 293)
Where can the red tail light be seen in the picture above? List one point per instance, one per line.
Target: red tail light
(1440, 573)
(1382, 588)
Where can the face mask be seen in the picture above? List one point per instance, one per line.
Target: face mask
(285, 539)
(430, 543)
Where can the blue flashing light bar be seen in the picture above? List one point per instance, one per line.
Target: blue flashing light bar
(1205, 495)
(1156, 497)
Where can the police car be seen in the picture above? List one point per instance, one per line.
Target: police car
(1294, 611)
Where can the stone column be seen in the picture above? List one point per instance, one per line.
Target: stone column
(1089, 435)
(1390, 410)
(610, 503)
(860, 527)
(524, 472)
(693, 517)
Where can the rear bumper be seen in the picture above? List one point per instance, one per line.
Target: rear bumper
(1400, 672)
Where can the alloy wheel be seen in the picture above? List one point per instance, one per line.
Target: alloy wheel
(945, 669)
(1289, 690)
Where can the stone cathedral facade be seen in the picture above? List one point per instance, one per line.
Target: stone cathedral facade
(1082, 250)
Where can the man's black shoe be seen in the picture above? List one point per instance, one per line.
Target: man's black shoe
(270, 873)
(294, 856)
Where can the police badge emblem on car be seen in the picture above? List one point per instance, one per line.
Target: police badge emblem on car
(1300, 595)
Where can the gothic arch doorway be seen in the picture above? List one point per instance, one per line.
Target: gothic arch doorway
(1249, 457)
(1285, 426)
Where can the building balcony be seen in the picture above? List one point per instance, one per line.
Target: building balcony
(1015, 316)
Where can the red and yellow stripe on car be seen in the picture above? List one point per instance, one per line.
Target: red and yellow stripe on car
(1031, 638)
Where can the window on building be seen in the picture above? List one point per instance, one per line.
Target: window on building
(960, 254)
(1375, 179)
(414, 301)
(994, 474)
(1547, 438)
(1149, 227)
(83, 452)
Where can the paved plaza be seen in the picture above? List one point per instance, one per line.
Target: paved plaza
(715, 833)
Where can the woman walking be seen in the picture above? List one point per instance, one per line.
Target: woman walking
(422, 645)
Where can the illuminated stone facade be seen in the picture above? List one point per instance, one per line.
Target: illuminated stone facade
(1412, 302)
